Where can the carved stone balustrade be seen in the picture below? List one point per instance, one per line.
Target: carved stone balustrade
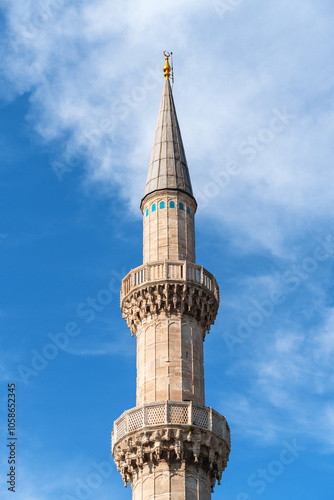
(171, 412)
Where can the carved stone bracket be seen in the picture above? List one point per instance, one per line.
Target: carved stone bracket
(170, 298)
(192, 445)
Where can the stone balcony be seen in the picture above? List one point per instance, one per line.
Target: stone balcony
(181, 433)
(171, 413)
(169, 271)
(169, 287)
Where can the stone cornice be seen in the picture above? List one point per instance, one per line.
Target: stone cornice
(167, 298)
(169, 191)
(190, 445)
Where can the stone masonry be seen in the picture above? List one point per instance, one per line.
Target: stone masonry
(170, 446)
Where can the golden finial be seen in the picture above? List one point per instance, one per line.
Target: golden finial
(167, 68)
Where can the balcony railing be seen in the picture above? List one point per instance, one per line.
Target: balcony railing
(169, 270)
(183, 413)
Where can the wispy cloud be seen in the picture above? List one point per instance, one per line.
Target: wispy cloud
(84, 476)
(94, 88)
(121, 347)
(289, 379)
(94, 91)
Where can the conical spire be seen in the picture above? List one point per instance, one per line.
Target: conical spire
(168, 166)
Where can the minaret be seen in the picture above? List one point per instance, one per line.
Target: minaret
(170, 446)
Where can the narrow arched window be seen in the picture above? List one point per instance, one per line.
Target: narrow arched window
(162, 204)
(172, 204)
(181, 206)
(188, 210)
(146, 212)
(154, 207)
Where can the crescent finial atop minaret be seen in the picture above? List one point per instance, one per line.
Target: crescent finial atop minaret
(167, 68)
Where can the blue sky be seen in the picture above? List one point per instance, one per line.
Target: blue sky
(80, 89)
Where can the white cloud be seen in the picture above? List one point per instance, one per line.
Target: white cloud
(119, 348)
(93, 72)
(87, 63)
(53, 480)
(290, 384)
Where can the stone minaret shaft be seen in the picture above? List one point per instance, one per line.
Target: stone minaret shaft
(170, 446)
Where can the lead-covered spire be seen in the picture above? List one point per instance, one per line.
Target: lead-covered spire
(168, 166)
